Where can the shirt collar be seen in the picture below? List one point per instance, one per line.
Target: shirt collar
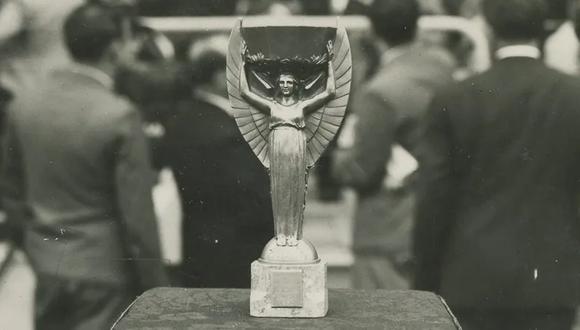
(394, 53)
(518, 51)
(95, 74)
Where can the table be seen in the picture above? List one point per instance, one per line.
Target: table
(180, 308)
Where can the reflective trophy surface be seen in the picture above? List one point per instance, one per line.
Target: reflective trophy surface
(288, 85)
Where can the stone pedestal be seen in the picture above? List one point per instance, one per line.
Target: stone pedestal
(288, 290)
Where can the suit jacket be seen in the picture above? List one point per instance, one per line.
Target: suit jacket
(389, 109)
(225, 193)
(77, 177)
(497, 223)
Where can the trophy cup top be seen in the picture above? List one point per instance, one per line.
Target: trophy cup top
(283, 39)
(261, 49)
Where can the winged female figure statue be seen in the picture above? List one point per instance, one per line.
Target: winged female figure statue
(286, 128)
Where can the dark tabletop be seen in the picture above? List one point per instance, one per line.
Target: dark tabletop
(179, 308)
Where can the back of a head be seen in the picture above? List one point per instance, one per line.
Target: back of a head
(208, 56)
(395, 21)
(89, 31)
(452, 7)
(516, 20)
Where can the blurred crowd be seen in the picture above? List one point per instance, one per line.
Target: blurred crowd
(464, 182)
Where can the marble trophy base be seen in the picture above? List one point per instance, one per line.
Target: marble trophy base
(281, 288)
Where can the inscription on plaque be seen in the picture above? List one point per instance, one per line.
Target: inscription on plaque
(286, 289)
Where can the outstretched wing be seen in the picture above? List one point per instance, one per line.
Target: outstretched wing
(252, 123)
(322, 125)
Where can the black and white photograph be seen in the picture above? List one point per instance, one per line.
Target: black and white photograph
(290, 164)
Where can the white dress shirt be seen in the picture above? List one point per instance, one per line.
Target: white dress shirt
(518, 51)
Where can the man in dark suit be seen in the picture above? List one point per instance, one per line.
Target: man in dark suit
(388, 110)
(76, 177)
(225, 192)
(497, 232)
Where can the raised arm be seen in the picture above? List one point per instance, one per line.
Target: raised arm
(134, 179)
(12, 179)
(317, 101)
(260, 103)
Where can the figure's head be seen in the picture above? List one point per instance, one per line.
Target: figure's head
(287, 84)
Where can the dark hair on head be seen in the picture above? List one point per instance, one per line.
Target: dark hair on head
(207, 56)
(206, 66)
(89, 31)
(395, 21)
(452, 7)
(516, 19)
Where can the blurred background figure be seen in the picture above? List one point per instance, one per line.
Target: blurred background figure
(153, 80)
(386, 114)
(561, 48)
(186, 7)
(232, 7)
(358, 7)
(30, 44)
(31, 41)
(497, 231)
(225, 192)
(76, 177)
(269, 7)
(283, 7)
(464, 8)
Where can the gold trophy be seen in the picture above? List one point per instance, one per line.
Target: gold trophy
(288, 86)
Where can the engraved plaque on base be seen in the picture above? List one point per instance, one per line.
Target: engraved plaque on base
(287, 289)
(265, 299)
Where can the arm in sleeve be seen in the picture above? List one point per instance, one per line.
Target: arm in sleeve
(363, 165)
(12, 179)
(435, 193)
(134, 182)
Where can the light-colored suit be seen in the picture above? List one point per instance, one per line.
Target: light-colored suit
(77, 178)
(389, 109)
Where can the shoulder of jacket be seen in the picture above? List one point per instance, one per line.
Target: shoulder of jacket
(387, 80)
(115, 111)
(118, 104)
